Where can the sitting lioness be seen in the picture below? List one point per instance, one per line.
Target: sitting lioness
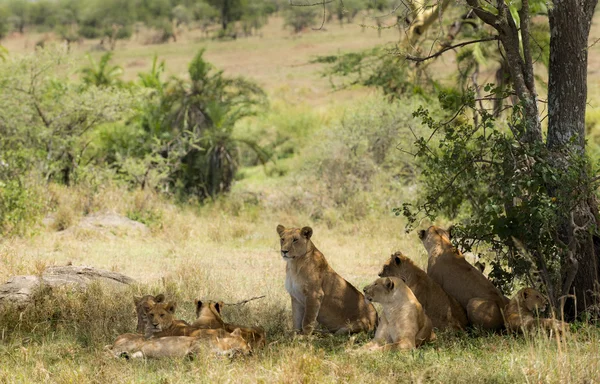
(403, 323)
(443, 310)
(136, 346)
(475, 293)
(318, 293)
(519, 313)
(141, 306)
(208, 316)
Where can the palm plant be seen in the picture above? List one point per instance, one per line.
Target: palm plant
(102, 73)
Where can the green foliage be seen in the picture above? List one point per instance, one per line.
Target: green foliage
(183, 139)
(44, 126)
(378, 68)
(497, 187)
(102, 74)
(355, 169)
(300, 18)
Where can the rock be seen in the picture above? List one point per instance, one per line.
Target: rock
(19, 289)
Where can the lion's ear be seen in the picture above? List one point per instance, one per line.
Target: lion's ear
(159, 298)
(397, 260)
(198, 304)
(219, 305)
(280, 229)
(525, 294)
(237, 332)
(389, 284)
(171, 307)
(306, 232)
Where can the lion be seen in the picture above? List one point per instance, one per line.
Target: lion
(403, 323)
(318, 293)
(141, 303)
(208, 316)
(443, 310)
(131, 345)
(160, 320)
(519, 313)
(482, 301)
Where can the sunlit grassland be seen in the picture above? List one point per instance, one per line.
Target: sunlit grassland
(228, 250)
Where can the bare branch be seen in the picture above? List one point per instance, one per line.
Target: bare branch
(246, 301)
(440, 52)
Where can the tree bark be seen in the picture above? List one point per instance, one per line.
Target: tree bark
(570, 22)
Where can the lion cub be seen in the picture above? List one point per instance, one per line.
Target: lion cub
(318, 293)
(403, 323)
(136, 346)
(141, 306)
(208, 316)
(519, 313)
(475, 293)
(443, 310)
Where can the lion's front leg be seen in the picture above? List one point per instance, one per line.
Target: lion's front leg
(297, 314)
(311, 311)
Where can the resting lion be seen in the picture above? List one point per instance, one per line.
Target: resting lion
(160, 321)
(141, 305)
(403, 323)
(443, 310)
(136, 346)
(208, 316)
(520, 312)
(318, 293)
(475, 293)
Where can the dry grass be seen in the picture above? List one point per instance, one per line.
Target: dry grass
(229, 251)
(217, 255)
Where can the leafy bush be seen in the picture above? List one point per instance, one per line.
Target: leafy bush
(300, 18)
(498, 189)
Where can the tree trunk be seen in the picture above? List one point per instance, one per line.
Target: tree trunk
(570, 22)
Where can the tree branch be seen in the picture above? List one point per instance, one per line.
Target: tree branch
(440, 52)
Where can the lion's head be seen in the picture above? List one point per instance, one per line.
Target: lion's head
(380, 291)
(140, 304)
(234, 343)
(435, 238)
(295, 242)
(208, 314)
(533, 300)
(398, 265)
(159, 316)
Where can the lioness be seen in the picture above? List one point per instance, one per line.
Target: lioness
(475, 293)
(141, 305)
(519, 313)
(318, 293)
(208, 316)
(443, 310)
(136, 346)
(403, 323)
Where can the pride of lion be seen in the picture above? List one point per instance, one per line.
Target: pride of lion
(452, 294)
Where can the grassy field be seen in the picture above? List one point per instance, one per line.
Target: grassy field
(228, 251)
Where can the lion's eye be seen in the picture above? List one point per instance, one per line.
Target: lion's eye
(294, 240)
(162, 315)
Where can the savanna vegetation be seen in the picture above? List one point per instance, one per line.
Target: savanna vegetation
(363, 119)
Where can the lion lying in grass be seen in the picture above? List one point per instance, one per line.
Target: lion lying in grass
(132, 345)
(403, 323)
(319, 294)
(476, 294)
(520, 313)
(208, 316)
(443, 310)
